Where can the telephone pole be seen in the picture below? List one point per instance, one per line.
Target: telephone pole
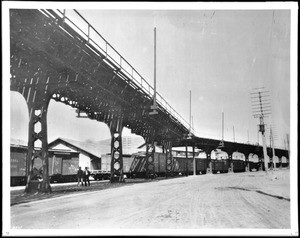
(233, 135)
(154, 106)
(248, 137)
(261, 108)
(221, 144)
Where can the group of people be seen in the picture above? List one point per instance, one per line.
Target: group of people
(83, 176)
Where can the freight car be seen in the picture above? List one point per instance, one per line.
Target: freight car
(138, 166)
(219, 161)
(284, 162)
(135, 166)
(181, 165)
(254, 163)
(239, 162)
(63, 165)
(201, 165)
(18, 165)
(220, 165)
(104, 173)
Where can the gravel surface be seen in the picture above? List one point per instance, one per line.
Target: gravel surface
(239, 200)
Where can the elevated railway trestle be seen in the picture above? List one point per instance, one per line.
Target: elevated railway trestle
(52, 58)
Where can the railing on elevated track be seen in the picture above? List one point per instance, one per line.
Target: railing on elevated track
(74, 19)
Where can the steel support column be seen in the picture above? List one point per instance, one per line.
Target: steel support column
(150, 168)
(194, 161)
(280, 162)
(116, 128)
(208, 162)
(230, 170)
(247, 164)
(187, 160)
(37, 169)
(169, 159)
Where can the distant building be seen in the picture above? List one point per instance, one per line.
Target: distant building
(89, 151)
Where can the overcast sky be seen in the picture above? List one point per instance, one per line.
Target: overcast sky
(220, 55)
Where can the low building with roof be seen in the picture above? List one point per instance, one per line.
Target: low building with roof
(89, 151)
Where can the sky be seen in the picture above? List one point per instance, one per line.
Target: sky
(220, 55)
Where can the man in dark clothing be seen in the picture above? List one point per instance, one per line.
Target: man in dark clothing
(86, 176)
(80, 177)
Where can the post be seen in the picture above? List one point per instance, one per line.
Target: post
(230, 162)
(248, 136)
(154, 65)
(233, 135)
(222, 126)
(247, 161)
(154, 106)
(190, 110)
(273, 151)
(262, 130)
(186, 156)
(265, 152)
(194, 161)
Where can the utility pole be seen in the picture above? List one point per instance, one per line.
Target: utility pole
(261, 107)
(273, 150)
(190, 122)
(221, 144)
(222, 126)
(248, 136)
(233, 135)
(190, 134)
(154, 106)
(187, 159)
(194, 161)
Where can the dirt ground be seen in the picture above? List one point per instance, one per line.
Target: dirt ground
(251, 200)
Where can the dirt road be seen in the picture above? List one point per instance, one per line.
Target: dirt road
(244, 200)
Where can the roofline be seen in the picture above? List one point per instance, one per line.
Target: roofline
(55, 142)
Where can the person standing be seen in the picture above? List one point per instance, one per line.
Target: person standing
(80, 177)
(86, 176)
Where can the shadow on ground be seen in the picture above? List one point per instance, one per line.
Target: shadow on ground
(18, 196)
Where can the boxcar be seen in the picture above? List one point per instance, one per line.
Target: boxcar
(201, 166)
(284, 162)
(220, 165)
(63, 165)
(238, 162)
(254, 163)
(18, 165)
(183, 166)
(160, 162)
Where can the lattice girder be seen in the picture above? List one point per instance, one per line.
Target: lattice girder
(116, 128)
